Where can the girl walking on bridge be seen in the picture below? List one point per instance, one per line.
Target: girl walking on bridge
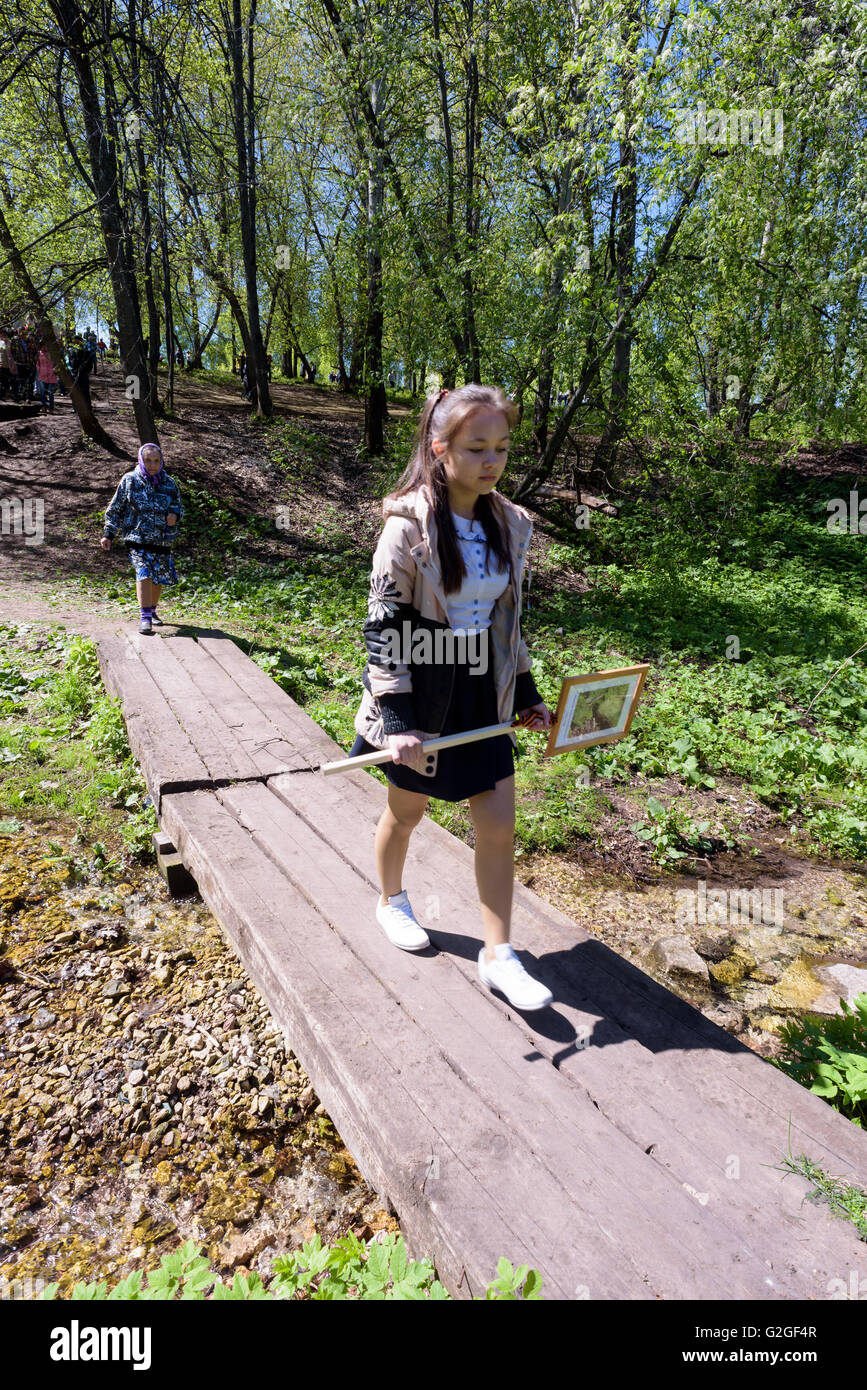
(451, 557)
(146, 509)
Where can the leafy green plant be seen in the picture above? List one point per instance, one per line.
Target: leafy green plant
(73, 689)
(138, 830)
(685, 764)
(512, 1284)
(107, 732)
(669, 835)
(829, 1055)
(351, 1269)
(346, 1269)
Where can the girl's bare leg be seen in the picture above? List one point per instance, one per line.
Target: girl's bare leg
(396, 824)
(493, 816)
(156, 590)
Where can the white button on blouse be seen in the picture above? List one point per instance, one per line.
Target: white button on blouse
(471, 606)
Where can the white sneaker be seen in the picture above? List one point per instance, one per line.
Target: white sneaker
(399, 924)
(507, 974)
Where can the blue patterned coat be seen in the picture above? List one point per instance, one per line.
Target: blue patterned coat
(138, 510)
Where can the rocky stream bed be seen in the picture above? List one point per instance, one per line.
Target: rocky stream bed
(146, 1095)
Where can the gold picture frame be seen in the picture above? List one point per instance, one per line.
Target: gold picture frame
(585, 716)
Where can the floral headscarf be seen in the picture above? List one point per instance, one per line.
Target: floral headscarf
(141, 468)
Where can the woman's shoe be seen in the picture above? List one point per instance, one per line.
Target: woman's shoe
(506, 973)
(145, 627)
(399, 924)
(157, 621)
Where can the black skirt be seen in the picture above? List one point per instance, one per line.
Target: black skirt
(470, 768)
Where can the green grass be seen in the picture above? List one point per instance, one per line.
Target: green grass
(844, 1199)
(63, 745)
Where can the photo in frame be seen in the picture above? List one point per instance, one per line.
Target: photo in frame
(596, 708)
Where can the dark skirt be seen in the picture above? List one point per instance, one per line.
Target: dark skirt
(470, 768)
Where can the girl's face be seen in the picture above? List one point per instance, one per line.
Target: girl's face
(475, 459)
(151, 460)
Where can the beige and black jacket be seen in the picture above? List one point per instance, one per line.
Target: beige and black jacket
(406, 585)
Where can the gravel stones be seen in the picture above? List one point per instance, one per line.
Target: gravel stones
(733, 969)
(115, 989)
(157, 1076)
(675, 955)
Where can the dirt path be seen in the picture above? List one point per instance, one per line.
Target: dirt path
(38, 603)
(64, 483)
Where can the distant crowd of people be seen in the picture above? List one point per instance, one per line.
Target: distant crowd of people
(27, 372)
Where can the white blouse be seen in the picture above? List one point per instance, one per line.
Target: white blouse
(471, 606)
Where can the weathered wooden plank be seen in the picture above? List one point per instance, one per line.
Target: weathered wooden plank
(265, 744)
(752, 1205)
(679, 1243)
(661, 1044)
(658, 1017)
(396, 1102)
(167, 757)
(279, 708)
(213, 739)
(604, 1165)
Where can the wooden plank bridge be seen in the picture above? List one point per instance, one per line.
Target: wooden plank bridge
(618, 1141)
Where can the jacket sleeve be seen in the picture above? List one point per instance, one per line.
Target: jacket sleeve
(177, 504)
(389, 602)
(526, 693)
(115, 509)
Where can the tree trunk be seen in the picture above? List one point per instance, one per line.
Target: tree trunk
(154, 326)
(166, 276)
(356, 357)
(194, 357)
(296, 347)
(170, 323)
(542, 470)
(239, 36)
(627, 202)
(201, 343)
(714, 398)
(341, 368)
(547, 352)
(375, 406)
(472, 143)
(102, 142)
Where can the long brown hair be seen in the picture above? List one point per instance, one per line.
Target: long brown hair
(442, 418)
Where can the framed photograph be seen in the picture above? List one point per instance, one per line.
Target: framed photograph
(596, 708)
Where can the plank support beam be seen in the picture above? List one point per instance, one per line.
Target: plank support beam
(179, 880)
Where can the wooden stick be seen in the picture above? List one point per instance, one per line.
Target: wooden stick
(444, 741)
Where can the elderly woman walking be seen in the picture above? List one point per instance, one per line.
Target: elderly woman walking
(146, 509)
